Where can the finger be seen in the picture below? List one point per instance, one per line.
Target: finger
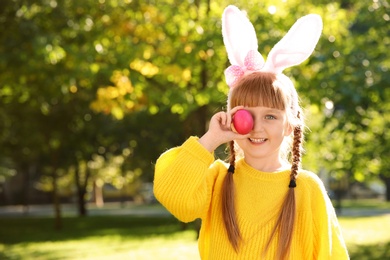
(235, 109)
(228, 120)
(223, 118)
(238, 136)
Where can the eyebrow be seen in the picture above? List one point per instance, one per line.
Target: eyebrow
(271, 111)
(274, 110)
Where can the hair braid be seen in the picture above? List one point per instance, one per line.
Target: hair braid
(296, 153)
(287, 216)
(228, 205)
(232, 157)
(285, 222)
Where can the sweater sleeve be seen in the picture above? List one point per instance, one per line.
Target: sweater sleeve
(181, 181)
(338, 247)
(329, 242)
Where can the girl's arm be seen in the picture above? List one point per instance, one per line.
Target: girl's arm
(220, 130)
(183, 179)
(339, 249)
(330, 243)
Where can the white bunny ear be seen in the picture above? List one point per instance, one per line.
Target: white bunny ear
(239, 35)
(296, 46)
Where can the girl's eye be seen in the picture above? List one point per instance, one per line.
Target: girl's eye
(271, 117)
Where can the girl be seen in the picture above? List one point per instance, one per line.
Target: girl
(260, 205)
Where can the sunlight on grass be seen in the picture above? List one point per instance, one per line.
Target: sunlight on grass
(366, 204)
(144, 238)
(366, 230)
(167, 250)
(357, 231)
(174, 246)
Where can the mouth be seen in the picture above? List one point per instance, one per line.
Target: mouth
(257, 140)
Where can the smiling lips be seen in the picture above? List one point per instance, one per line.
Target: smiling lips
(258, 140)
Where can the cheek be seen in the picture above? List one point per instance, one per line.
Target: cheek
(240, 143)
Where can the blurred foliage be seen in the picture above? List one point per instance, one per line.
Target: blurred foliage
(349, 129)
(111, 84)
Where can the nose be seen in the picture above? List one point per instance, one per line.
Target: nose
(257, 126)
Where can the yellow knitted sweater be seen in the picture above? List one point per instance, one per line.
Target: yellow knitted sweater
(188, 183)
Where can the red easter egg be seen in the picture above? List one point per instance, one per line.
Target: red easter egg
(242, 122)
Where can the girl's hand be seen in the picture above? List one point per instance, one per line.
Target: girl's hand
(220, 131)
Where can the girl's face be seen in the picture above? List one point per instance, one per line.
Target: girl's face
(263, 145)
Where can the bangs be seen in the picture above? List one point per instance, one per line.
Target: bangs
(258, 89)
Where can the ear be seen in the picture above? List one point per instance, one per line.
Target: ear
(239, 35)
(296, 46)
(288, 129)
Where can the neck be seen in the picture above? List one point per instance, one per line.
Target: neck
(267, 165)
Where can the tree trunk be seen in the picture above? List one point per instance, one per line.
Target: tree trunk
(56, 203)
(81, 191)
(339, 195)
(387, 183)
(80, 194)
(81, 203)
(25, 189)
(56, 198)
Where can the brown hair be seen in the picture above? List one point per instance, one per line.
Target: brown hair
(276, 91)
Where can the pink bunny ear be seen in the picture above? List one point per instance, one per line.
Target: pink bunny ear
(296, 46)
(239, 35)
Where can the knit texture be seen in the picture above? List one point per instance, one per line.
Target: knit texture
(188, 183)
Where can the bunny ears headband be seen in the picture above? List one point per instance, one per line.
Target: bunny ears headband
(240, 40)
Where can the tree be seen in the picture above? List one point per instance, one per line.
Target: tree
(355, 92)
(86, 80)
(47, 108)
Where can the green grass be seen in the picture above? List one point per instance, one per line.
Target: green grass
(103, 237)
(367, 237)
(131, 237)
(374, 204)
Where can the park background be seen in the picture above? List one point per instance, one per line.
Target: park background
(93, 91)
